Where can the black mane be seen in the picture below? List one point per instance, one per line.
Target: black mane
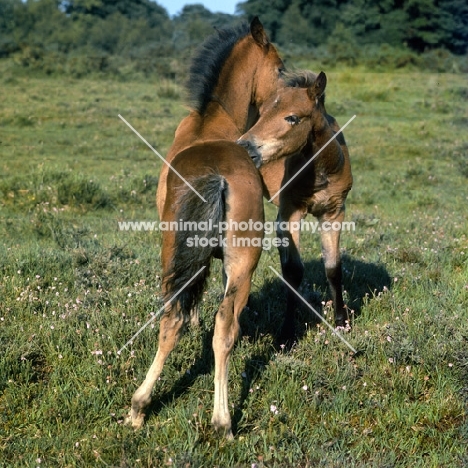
(207, 63)
(299, 78)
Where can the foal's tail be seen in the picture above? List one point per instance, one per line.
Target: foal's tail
(199, 239)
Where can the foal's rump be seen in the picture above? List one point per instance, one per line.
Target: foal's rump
(225, 226)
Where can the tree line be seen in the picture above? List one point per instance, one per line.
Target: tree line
(418, 24)
(80, 36)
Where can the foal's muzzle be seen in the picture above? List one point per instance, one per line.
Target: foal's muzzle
(253, 151)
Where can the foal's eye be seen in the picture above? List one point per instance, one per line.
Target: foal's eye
(292, 119)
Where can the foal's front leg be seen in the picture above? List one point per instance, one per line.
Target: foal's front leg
(291, 265)
(330, 238)
(169, 334)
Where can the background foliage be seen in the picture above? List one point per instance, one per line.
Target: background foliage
(78, 37)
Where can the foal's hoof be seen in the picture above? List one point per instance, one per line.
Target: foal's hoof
(343, 323)
(223, 429)
(286, 341)
(226, 433)
(135, 419)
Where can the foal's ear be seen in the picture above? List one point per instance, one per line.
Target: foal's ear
(258, 33)
(318, 87)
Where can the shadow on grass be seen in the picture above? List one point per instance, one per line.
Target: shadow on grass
(360, 279)
(264, 316)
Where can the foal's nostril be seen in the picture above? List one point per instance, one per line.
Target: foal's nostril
(253, 151)
(244, 143)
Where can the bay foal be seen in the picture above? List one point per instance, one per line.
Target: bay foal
(233, 74)
(293, 127)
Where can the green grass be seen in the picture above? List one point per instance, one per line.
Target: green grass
(74, 289)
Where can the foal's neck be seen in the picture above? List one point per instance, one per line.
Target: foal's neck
(235, 92)
(321, 132)
(330, 156)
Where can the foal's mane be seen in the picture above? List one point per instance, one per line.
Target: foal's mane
(207, 64)
(301, 79)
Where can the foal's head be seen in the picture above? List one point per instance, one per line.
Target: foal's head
(237, 66)
(289, 120)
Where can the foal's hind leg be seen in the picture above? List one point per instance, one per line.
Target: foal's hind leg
(169, 333)
(331, 256)
(225, 335)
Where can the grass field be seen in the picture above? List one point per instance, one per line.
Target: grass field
(74, 289)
